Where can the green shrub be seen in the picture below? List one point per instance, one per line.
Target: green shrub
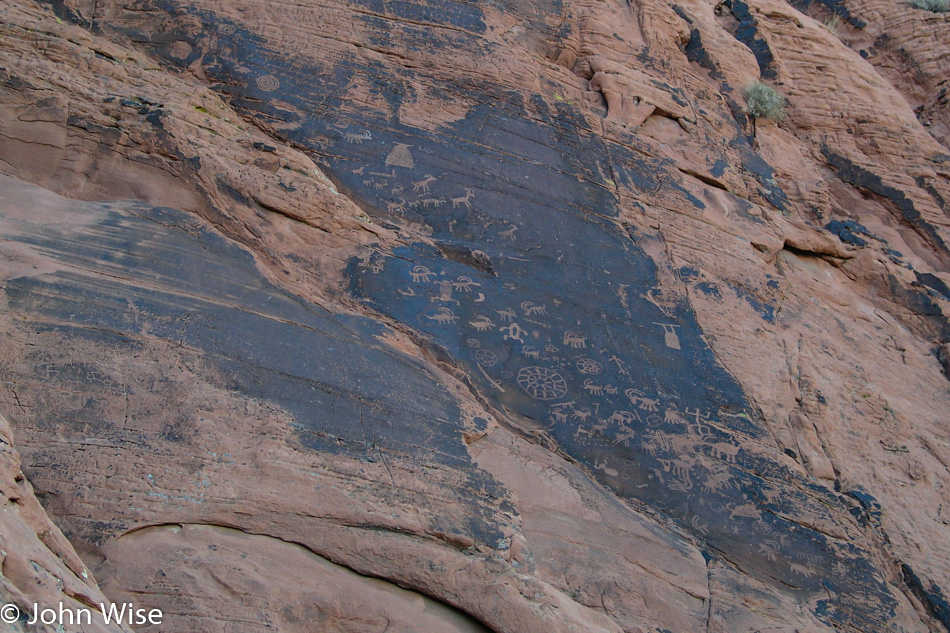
(764, 102)
(937, 6)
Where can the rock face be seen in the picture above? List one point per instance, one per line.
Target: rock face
(497, 316)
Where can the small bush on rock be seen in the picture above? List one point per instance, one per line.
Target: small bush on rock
(764, 102)
(937, 6)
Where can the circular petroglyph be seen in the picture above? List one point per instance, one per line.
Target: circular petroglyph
(268, 83)
(589, 366)
(226, 29)
(486, 358)
(474, 343)
(542, 383)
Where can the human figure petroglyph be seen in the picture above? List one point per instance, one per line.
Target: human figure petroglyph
(530, 309)
(469, 194)
(445, 293)
(574, 340)
(508, 315)
(358, 137)
(423, 185)
(465, 284)
(421, 274)
(592, 388)
(621, 366)
(481, 323)
(514, 333)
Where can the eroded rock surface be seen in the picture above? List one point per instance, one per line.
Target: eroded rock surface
(508, 304)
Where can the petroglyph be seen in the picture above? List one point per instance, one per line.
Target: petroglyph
(465, 284)
(514, 333)
(592, 388)
(621, 366)
(396, 208)
(443, 316)
(589, 366)
(679, 469)
(382, 184)
(481, 323)
(494, 383)
(509, 233)
(574, 340)
(421, 274)
(669, 335)
(530, 352)
(445, 293)
(432, 202)
(530, 309)
(508, 315)
(717, 482)
(422, 186)
(400, 156)
(486, 358)
(542, 383)
(723, 451)
(268, 83)
(358, 137)
(469, 194)
(226, 29)
(358, 171)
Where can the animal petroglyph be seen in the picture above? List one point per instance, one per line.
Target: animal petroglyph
(382, 184)
(574, 340)
(469, 194)
(432, 202)
(481, 323)
(542, 383)
(717, 482)
(443, 316)
(589, 366)
(464, 284)
(357, 137)
(725, 452)
(358, 171)
(669, 335)
(396, 208)
(508, 315)
(421, 274)
(530, 309)
(582, 414)
(514, 333)
(486, 358)
(423, 185)
(679, 469)
(268, 83)
(509, 233)
(530, 352)
(592, 388)
(397, 188)
(400, 156)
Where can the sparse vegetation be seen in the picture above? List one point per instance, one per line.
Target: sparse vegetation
(834, 24)
(764, 102)
(936, 6)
